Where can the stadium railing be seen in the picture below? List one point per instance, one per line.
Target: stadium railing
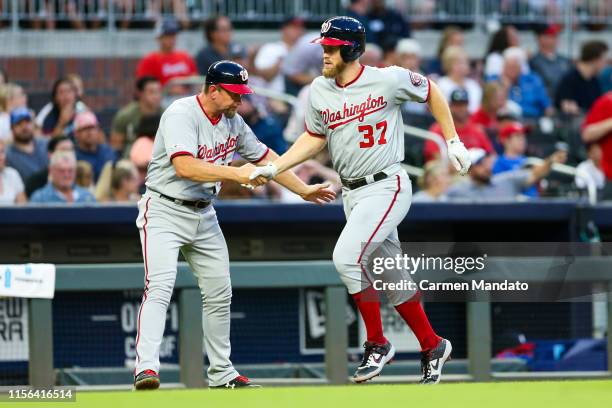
(477, 12)
(292, 274)
(573, 172)
(564, 169)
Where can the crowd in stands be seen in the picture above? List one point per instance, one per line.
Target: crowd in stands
(507, 106)
(96, 14)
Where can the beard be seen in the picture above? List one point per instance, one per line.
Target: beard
(229, 113)
(23, 137)
(334, 71)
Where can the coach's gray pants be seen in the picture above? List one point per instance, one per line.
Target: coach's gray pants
(165, 228)
(373, 213)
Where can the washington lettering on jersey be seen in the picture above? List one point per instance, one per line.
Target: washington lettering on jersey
(353, 112)
(361, 120)
(186, 130)
(219, 151)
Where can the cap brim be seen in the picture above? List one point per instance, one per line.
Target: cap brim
(20, 118)
(334, 42)
(241, 89)
(167, 33)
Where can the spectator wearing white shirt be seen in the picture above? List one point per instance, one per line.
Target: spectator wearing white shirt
(12, 96)
(456, 65)
(591, 168)
(503, 39)
(302, 64)
(271, 55)
(11, 185)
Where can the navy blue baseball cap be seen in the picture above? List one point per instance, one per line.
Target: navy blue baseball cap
(230, 76)
(168, 26)
(459, 95)
(19, 114)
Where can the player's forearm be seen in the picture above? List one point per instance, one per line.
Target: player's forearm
(286, 179)
(440, 111)
(196, 170)
(596, 131)
(304, 148)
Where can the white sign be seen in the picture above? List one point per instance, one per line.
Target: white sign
(28, 281)
(13, 329)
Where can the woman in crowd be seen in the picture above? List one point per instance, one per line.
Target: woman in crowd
(56, 118)
(504, 38)
(11, 185)
(433, 183)
(456, 65)
(451, 36)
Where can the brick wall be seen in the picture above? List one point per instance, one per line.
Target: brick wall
(108, 82)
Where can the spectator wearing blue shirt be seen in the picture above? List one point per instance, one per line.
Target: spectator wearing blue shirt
(525, 89)
(89, 143)
(605, 79)
(61, 187)
(512, 137)
(267, 129)
(27, 154)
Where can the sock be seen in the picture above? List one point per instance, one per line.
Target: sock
(413, 314)
(369, 307)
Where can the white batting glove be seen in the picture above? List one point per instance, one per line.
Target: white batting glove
(458, 155)
(268, 171)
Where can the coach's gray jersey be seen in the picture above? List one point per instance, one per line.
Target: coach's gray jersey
(185, 129)
(362, 120)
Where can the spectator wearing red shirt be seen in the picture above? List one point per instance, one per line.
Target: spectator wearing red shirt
(493, 99)
(471, 134)
(597, 128)
(167, 63)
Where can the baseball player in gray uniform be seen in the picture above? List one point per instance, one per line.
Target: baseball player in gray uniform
(355, 110)
(195, 143)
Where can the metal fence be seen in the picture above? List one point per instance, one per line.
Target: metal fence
(115, 12)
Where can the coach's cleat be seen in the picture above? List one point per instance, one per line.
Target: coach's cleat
(374, 359)
(146, 380)
(433, 360)
(238, 382)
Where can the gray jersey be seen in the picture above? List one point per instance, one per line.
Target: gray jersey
(362, 121)
(185, 129)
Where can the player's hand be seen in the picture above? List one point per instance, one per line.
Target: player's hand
(243, 176)
(268, 172)
(319, 194)
(458, 155)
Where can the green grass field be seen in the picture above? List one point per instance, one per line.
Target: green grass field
(542, 394)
